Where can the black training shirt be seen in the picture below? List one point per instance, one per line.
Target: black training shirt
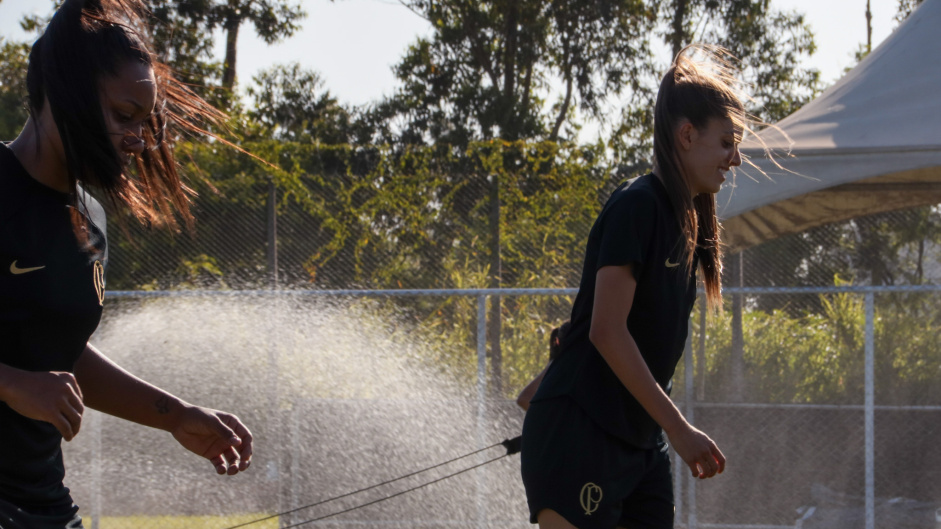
(637, 226)
(51, 294)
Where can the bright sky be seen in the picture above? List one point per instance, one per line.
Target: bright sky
(354, 43)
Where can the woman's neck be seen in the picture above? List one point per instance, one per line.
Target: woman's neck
(35, 150)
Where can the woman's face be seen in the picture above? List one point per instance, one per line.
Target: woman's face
(127, 102)
(708, 153)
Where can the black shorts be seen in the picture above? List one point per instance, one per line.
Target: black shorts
(591, 478)
(12, 517)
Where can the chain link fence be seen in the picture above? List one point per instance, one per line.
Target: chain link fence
(347, 389)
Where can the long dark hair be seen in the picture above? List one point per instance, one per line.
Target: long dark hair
(85, 41)
(695, 90)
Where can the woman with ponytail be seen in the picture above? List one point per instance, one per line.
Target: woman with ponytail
(104, 116)
(594, 450)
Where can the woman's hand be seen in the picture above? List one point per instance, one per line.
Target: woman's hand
(218, 436)
(53, 397)
(698, 451)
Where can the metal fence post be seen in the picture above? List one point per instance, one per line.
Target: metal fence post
(688, 411)
(496, 282)
(95, 419)
(276, 419)
(271, 223)
(295, 469)
(870, 412)
(96, 471)
(481, 401)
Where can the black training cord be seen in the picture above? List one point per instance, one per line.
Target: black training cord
(512, 447)
(396, 494)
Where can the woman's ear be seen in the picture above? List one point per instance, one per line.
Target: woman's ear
(685, 134)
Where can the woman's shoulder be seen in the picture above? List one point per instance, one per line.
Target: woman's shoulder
(639, 194)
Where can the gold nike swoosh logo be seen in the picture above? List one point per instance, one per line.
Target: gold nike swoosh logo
(15, 270)
(671, 265)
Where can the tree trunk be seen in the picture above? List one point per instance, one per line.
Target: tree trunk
(527, 88)
(678, 37)
(560, 119)
(232, 24)
(272, 234)
(508, 127)
(554, 135)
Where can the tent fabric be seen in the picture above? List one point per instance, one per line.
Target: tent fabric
(870, 143)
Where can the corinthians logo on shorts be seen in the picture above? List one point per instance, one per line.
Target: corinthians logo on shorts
(98, 271)
(590, 497)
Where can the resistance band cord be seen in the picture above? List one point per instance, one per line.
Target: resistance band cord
(512, 447)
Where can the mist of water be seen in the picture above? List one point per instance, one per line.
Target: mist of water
(338, 395)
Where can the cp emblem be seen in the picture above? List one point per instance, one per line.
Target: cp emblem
(590, 497)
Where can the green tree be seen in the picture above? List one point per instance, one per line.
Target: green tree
(770, 46)
(184, 31)
(818, 355)
(188, 26)
(513, 70)
(273, 21)
(14, 58)
(13, 106)
(491, 70)
(183, 39)
(291, 103)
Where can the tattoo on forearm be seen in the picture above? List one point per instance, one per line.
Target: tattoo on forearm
(163, 405)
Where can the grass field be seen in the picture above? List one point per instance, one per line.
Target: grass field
(180, 522)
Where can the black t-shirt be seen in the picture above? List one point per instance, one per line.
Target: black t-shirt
(51, 295)
(637, 226)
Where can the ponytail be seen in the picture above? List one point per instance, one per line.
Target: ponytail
(698, 92)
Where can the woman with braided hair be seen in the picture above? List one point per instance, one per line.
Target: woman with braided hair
(99, 102)
(594, 453)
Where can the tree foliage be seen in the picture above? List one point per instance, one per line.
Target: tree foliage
(770, 44)
(493, 69)
(13, 105)
(380, 218)
(183, 39)
(291, 103)
(818, 355)
(538, 70)
(186, 30)
(905, 8)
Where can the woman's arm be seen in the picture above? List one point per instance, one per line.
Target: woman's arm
(530, 390)
(215, 435)
(614, 295)
(53, 397)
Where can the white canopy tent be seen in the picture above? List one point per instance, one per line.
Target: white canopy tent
(871, 143)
